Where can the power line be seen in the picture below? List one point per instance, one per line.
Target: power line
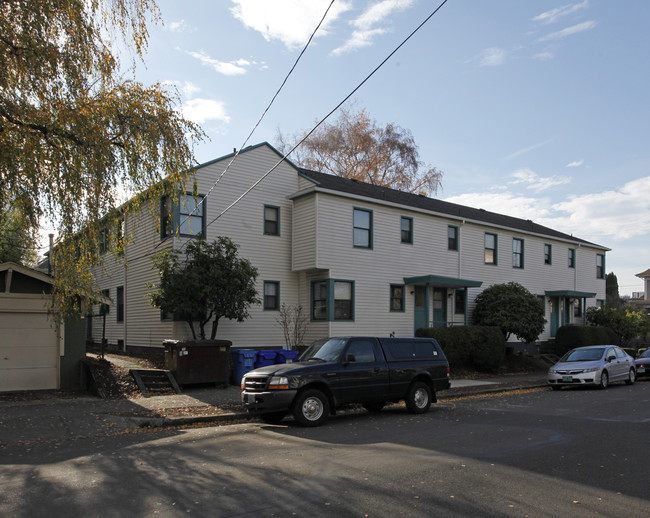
(286, 78)
(308, 134)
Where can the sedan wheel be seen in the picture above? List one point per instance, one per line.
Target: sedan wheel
(631, 377)
(604, 380)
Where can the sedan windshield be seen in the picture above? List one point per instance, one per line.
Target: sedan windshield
(328, 352)
(646, 354)
(584, 355)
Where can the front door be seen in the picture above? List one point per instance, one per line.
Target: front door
(421, 309)
(439, 307)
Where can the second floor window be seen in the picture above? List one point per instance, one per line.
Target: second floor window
(452, 237)
(572, 257)
(407, 230)
(184, 216)
(490, 249)
(547, 254)
(600, 266)
(517, 253)
(271, 220)
(362, 231)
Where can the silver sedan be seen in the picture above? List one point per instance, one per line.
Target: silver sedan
(597, 365)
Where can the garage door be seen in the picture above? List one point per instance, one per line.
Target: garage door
(29, 353)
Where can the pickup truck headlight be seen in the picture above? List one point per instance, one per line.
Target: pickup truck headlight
(279, 383)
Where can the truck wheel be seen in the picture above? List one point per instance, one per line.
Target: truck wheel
(273, 417)
(311, 408)
(374, 406)
(418, 399)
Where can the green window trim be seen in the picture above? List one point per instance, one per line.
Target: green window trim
(490, 243)
(518, 253)
(362, 228)
(271, 296)
(271, 220)
(174, 216)
(453, 238)
(548, 254)
(397, 298)
(325, 307)
(600, 266)
(119, 302)
(406, 230)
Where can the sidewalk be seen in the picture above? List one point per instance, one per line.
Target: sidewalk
(54, 417)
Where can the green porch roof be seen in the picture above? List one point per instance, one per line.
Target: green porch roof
(445, 282)
(570, 293)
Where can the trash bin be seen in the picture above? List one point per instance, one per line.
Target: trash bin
(286, 356)
(243, 360)
(265, 358)
(205, 361)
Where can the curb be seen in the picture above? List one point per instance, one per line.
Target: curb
(170, 422)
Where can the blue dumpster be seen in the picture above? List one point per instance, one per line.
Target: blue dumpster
(243, 360)
(286, 356)
(265, 358)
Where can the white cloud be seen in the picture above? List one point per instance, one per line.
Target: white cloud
(569, 31)
(544, 56)
(289, 21)
(602, 217)
(505, 203)
(180, 26)
(535, 182)
(492, 57)
(227, 68)
(575, 163)
(617, 214)
(202, 110)
(554, 15)
(365, 25)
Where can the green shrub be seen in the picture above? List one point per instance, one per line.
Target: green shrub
(571, 336)
(477, 347)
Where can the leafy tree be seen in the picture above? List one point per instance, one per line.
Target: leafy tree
(357, 147)
(208, 283)
(513, 309)
(74, 131)
(17, 238)
(611, 291)
(625, 323)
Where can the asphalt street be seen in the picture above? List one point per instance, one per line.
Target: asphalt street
(528, 453)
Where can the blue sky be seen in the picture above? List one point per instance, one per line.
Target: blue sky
(537, 109)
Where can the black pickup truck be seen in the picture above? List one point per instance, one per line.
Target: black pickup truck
(345, 370)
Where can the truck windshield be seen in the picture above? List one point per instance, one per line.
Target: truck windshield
(327, 352)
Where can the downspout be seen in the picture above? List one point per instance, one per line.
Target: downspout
(49, 258)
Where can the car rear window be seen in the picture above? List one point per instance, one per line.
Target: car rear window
(410, 349)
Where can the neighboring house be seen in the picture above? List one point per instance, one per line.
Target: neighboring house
(643, 301)
(359, 259)
(34, 353)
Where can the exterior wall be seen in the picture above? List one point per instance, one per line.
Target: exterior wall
(244, 224)
(389, 261)
(315, 243)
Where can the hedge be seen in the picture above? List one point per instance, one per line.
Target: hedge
(571, 336)
(478, 347)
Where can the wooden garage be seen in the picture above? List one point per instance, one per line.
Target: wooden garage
(34, 353)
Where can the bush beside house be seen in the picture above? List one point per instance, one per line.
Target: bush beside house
(477, 347)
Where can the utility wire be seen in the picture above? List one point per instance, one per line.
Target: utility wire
(309, 133)
(286, 78)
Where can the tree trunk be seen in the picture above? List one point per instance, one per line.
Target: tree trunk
(215, 324)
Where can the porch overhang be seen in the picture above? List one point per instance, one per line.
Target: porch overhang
(444, 282)
(570, 293)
